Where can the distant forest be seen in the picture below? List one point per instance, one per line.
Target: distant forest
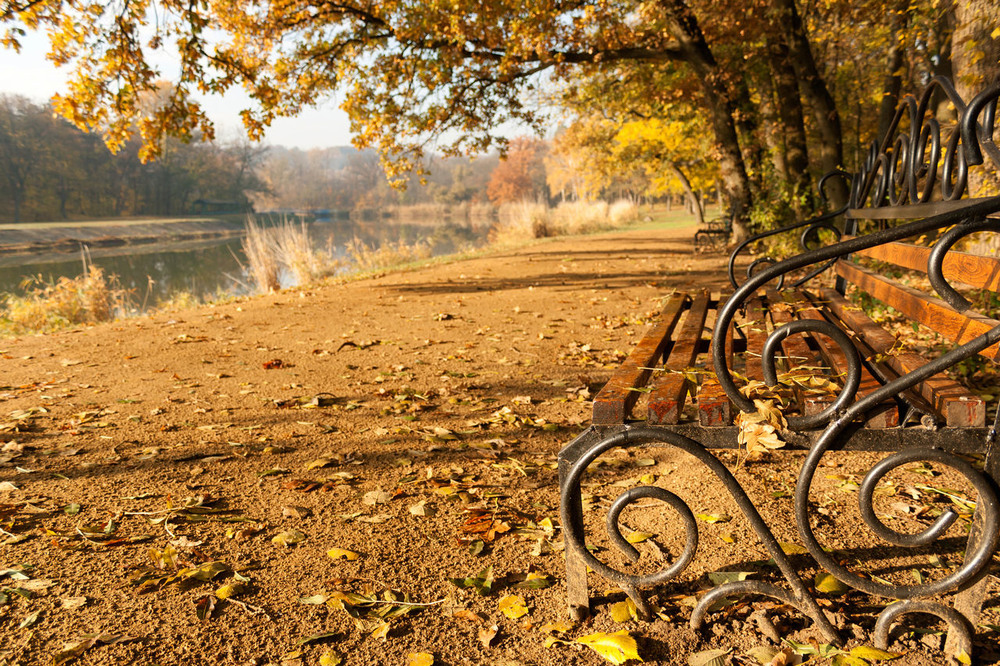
(51, 171)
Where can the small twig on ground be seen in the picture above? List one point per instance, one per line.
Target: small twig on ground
(250, 608)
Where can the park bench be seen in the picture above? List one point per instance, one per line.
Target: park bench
(714, 233)
(795, 325)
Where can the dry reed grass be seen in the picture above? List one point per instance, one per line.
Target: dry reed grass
(259, 247)
(364, 257)
(89, 298)
(526, 220)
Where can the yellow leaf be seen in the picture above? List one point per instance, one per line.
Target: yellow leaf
(330, 658)
(420, 659)
(231, 589)
(555, 627)
(617, 648)
(342, 554)
(381, 631)
(728, 537)
(874, 654)
(714, 517)
(319, 462)
(639, 537)
(624, 611)
(288, 538)
(829, 584)
(792, 548)
(513, 606)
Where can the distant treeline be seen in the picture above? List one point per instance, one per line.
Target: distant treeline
(50, 170)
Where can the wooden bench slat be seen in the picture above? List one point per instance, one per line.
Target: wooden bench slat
(666, 400)
(949, 399)
(754, 324)
(785, 308)
(887, 415)
(714, 408)
(934, 313)
(614, 402)
(971, 269)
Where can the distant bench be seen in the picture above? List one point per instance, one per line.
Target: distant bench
(850, 383)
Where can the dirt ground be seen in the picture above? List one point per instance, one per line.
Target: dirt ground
(262, 481)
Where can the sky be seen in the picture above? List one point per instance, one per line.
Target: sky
(28, 73)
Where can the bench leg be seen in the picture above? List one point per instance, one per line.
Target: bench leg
(577, 592)
(969, 602)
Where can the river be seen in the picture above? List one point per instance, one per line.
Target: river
(213, 268)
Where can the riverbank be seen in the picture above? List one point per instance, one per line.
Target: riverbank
(311, 450)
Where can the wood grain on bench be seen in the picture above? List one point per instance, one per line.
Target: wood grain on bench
(614, 402)
(950, 400)
(669, 391)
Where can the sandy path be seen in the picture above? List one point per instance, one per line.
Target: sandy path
(331, 413)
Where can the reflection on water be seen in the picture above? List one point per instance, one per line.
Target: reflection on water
(208, 269)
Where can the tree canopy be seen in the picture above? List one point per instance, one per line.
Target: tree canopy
(778, 85)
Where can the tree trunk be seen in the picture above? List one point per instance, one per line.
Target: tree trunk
(793, 128)
(695, 202)
(718, 101)
(816, 95)
(893, 82)
(976, 59)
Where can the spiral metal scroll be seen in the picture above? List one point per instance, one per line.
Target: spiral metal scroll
(918, 165)
(629, 436)
(956, 622)
(988, 505)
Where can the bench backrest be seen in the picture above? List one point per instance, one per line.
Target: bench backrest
(918, 178)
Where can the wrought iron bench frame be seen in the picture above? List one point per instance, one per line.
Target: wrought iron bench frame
(716, 231)
(918, 181)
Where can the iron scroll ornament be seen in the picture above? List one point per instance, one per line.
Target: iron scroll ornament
(915, 165)
(640, 435)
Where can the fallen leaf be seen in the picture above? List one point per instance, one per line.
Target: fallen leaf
(289, 538)
(326, 635)
(513, 606)
(330, 658)
(617, 648)
(488, 634)
(829, 584)
(714, 517)
(75, 649)
(204, 607)
(420, 659)
(639, 537)
(231, 589)
(421, 509)
(623, 611)
(69, 603)
(709, 658)
(30, 620)
(723, 577)
(873, 654)
(313, 600)
(293, 511)
(374, 497)
(342, 554)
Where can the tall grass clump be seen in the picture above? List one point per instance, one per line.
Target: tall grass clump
(89, 298)
(260, 248)
(364, 257)
(295, 251)
(581, 217)
(520, 221)
(623, 212)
